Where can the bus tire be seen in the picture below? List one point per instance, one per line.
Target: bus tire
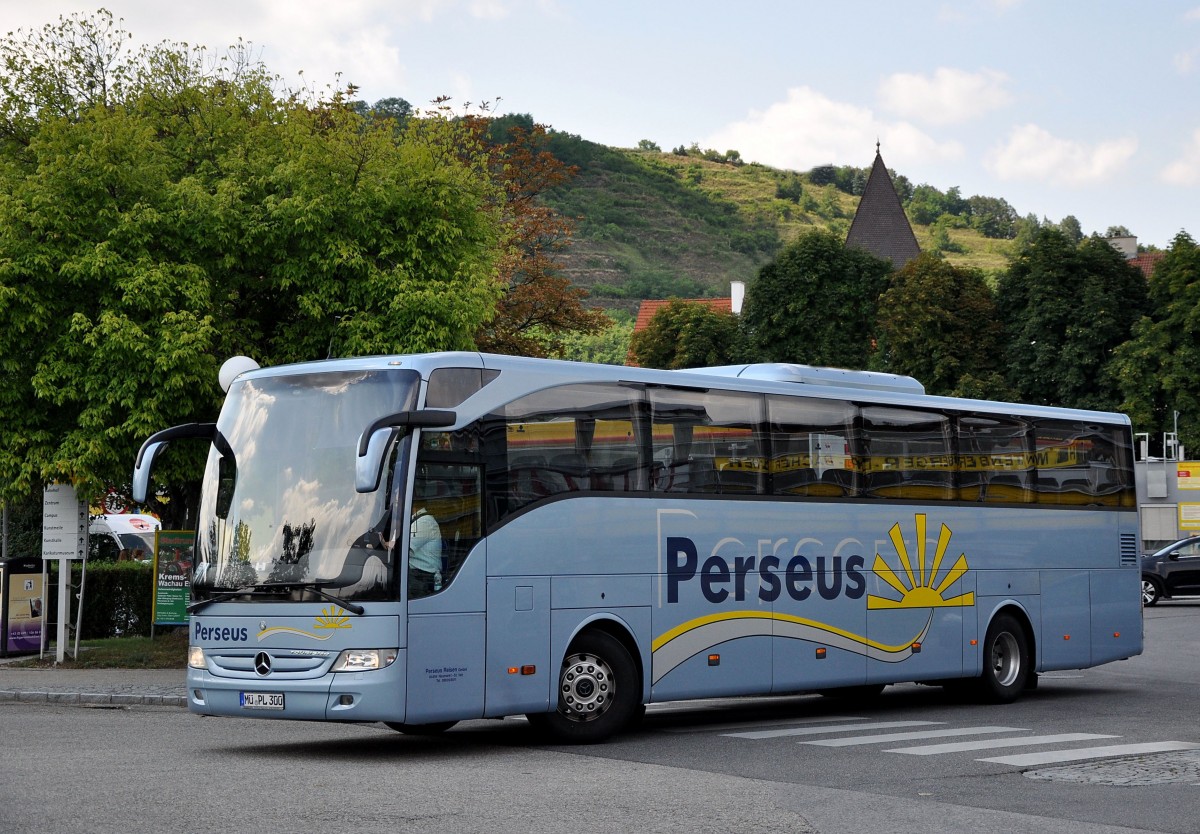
(1006, 661)
(434, 729)
(598, 692)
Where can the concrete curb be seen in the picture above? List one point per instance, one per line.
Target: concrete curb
(93, 698)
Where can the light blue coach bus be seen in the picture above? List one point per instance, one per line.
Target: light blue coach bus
(608, 537)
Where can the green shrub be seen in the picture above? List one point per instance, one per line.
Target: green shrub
(117, 598)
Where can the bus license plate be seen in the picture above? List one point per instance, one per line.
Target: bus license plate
(262, 700)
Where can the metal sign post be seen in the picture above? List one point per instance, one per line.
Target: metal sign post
(64, 538)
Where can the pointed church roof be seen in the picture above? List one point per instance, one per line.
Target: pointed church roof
(880, 225)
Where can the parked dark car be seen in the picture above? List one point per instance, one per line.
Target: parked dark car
(1172, 571)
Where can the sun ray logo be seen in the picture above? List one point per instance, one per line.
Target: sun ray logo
(329, 620)
(919, 584)
(332, 617)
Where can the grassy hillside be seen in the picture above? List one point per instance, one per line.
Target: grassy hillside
(653, 225)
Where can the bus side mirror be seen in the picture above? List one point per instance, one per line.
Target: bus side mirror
(158, 441)
(368, 466)
(373, 442)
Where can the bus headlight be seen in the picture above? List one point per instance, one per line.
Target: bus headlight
(196, 657)
(362, 660)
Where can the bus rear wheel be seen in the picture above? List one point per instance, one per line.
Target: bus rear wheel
(598, 695)
(1006, 661)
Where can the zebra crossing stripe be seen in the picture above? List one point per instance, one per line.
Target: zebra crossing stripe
(829, 728)
(1053, 756)
(885, 738)
(992, 743)
(744, 725)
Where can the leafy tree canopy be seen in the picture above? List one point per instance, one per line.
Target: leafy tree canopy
(1158, 370)
(816, 303)
(160, 210)
(1066, 308)
(685, 334)
(938, 323)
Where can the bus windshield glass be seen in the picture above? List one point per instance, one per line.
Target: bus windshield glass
(280, 517)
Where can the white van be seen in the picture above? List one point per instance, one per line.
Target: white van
(123, 536)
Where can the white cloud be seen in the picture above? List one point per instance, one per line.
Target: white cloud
(809, 129)
(1185, 61)
(949, 96)
(1032, 153)
(1186, 169)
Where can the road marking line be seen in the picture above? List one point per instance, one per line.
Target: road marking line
(989, 743)
(1052, 756)
(834, 728)
(889, 737)
(741, 725)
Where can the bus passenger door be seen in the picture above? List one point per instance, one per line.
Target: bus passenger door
(445, 585)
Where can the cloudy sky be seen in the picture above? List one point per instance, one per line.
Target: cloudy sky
(1083, 107)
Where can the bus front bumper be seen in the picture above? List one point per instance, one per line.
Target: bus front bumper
(376, 695)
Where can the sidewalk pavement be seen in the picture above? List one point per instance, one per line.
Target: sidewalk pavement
(154, 687)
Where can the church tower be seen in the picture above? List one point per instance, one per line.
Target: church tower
(880, 225)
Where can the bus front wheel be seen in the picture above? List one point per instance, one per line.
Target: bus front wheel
(1006, 661)
(598, 695)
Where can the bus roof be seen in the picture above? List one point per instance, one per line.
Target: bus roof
(523, 375)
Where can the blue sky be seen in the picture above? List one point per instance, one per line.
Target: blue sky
(1083, 108)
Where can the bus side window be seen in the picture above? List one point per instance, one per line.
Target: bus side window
(995, 461)
(910, 454)
(812, 443)
(707, 441)
(561, 441)
(1082, 463)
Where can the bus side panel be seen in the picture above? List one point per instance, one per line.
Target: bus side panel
(802, 664)
(1116, 625)
(518, 638)
(741, 666)
(1066, 633)
(445, 667)
(918, 644)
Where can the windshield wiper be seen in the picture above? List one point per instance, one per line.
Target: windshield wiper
(271, 588)
(317, 589)
(219, 596)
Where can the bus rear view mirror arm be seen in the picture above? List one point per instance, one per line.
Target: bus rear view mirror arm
(372, 443)
(158, 441)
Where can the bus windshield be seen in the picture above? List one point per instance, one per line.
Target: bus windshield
(280, 517)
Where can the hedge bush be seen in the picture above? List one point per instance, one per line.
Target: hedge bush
(117, 600)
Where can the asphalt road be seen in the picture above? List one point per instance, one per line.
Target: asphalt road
(799, 764)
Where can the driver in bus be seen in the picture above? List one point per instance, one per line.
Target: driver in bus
(424, 554)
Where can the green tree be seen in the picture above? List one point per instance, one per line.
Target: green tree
(609, 346)
(993, 217)
(1158, 370)
(816, 303)
(684, 334)
(1066, 308)
(187, 213)
(1070, 227)
(938, 323)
